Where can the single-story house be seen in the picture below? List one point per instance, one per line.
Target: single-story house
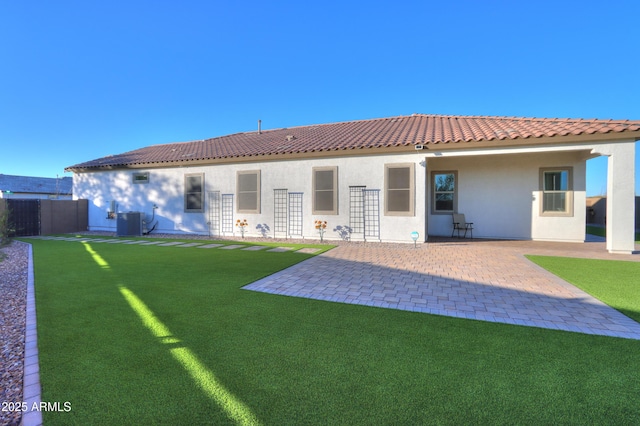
(28, 187)
(375, 180)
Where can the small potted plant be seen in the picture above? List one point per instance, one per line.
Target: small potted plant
(321, 226)
(242, 224)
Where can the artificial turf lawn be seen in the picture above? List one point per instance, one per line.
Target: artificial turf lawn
(298, 361)
(616, 283)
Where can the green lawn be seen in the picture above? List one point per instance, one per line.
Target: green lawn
(162, 335)
(602, 232)
(614, 282)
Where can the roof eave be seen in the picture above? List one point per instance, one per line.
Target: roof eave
(354, 151)
(543, 140)
(247, 159)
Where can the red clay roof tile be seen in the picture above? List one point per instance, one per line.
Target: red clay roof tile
(365, 134)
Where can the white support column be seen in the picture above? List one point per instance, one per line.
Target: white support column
(621, 198)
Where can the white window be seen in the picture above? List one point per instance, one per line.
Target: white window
(399, 189)
(325, 190)
(248, 190)
(557, 191)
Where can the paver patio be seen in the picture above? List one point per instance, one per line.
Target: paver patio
(479, 279)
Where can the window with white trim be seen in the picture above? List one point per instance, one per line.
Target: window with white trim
(325, 190)
(556, 185)
(248, 191)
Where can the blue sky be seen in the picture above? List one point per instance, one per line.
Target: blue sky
(80, 80)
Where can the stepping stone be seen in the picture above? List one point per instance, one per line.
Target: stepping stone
(119, 241)
(172, 243)
(149, 243)
(137, 242)
(231, 246)
(280, 249)
(211, 245)
(190, 245)
(308, 250)
(254, 248)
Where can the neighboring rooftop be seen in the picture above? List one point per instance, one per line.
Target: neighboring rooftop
(379, 134)
(36, 185)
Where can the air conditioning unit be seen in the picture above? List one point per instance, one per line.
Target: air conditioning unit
(129, 224)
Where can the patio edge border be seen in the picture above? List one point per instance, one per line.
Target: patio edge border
(31, 389)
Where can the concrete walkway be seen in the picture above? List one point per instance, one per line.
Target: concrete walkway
(479, 279)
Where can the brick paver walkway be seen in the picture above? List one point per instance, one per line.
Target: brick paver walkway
(481, 280)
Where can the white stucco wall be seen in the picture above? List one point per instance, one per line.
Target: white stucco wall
(166, 186)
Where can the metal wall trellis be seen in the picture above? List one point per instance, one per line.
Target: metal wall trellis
(295, 213)
(227, 213)
(356, 209)
(371, 213)
(214, 213)
(280, 211)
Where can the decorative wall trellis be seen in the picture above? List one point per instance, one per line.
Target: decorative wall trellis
(215, 216)
(371, 202)
(280, 212)
(227, 213)
(295, 213)
(356, 209)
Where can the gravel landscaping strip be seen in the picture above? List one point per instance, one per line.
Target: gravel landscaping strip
(14, 265)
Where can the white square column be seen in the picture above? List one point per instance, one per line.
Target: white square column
(621, 198)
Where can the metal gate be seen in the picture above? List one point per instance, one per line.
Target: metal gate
(24, 216)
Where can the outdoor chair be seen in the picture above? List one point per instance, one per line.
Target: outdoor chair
(461, 224)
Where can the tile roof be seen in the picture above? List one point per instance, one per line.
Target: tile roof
(36, 185)
(401, 131)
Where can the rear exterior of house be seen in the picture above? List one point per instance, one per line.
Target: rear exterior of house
(374, 180)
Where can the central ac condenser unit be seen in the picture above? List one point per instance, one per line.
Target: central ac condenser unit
(129, 224)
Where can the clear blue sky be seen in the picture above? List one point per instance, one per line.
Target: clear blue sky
(80, 79)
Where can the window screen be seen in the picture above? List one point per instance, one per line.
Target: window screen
(325, 200)
(248, 189)
(194, 193)
(399, 189)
